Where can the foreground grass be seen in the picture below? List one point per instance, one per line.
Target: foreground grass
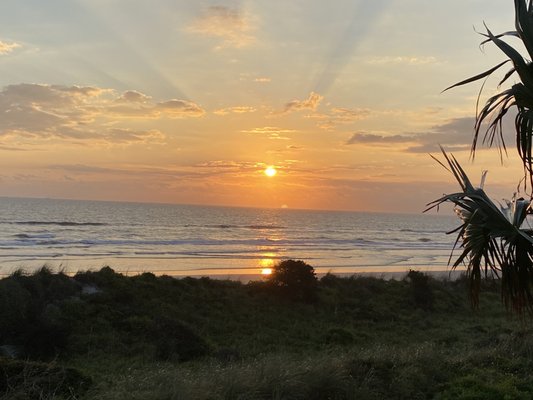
(102, 335)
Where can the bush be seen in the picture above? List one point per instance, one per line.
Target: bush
(338, 336)
(31, 318)
(420, 289)
(295, 280)
(176, 341)
(34, 380)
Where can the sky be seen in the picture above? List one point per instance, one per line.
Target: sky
(188, 102)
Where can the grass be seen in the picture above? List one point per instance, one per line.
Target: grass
(101, 335)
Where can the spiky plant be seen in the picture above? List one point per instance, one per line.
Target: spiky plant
(493, 240)
(518, 96)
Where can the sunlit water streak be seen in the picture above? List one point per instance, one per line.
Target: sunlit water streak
(197, 240)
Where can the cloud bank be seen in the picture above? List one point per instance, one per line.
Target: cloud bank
(454, 135)
(35, 111)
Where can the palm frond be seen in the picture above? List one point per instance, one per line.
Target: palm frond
(524, 24)
(491, 240)
(520, 95)
(477, 77)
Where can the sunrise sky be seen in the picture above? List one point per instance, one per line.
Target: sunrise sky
(189, 101)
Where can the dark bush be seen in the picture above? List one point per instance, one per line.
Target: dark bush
(175, 340)
(30, 312)
(27, 380)
(48, 334)
(421, 290)
(338, 336)
(14, 308)
(294, 280)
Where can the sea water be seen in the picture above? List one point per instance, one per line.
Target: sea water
(204, 240)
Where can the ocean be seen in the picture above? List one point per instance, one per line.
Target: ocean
(205, 241)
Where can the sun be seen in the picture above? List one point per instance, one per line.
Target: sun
(266, 271)
(270, 171)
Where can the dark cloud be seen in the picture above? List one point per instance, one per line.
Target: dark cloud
(371, 138)
(454, 135)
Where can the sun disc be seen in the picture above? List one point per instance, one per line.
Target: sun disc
(270, 171)
(266, 271)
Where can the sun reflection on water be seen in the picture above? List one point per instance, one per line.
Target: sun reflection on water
(267, 263)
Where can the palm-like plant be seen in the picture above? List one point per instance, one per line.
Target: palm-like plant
(519, 95)
(493, 240)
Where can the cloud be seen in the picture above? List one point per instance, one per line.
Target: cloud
(46, 95)
(37, 111)
(6, 48)
(272, 132)
(311, 103)
(405, 60)
(350, 114)
(371, 138)
(340, 115)
(180, 108)
(132, 104)
(453, 135)
(81, 168)
(235, 110)
(232, 26)
(133, 96)
(168, 175)
(130, 136)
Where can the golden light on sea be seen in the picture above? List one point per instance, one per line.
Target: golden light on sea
(270, 171)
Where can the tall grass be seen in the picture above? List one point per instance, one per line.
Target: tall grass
(361, 338)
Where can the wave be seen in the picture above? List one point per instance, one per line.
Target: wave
(58, 223)
(232, 226)
(233, 245)
(27, 236)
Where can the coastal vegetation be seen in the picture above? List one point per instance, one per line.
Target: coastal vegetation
(103, 335)
(498, 240)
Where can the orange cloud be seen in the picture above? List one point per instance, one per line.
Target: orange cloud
(272, 132)
(234, 110)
